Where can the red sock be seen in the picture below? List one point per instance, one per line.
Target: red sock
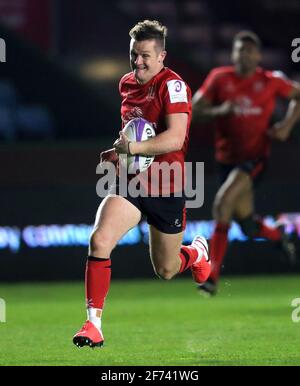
(218, 247)
(188, 256)
(97, 281)
(267, 232)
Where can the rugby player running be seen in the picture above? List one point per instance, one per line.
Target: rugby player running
(157, 94)
(241, 99)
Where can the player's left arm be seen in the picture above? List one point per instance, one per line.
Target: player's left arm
(168, 141)
(282, 130)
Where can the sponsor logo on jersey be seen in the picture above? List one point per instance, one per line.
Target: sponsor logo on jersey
(177, 91)
(244, 106)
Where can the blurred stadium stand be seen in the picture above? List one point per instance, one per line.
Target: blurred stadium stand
(72, 65)
(59, 87)
(19, 121)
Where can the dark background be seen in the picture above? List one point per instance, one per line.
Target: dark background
(59, 108)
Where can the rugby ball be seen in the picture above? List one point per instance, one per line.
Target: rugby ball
(137, 130)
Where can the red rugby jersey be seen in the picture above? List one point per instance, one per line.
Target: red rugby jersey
(241, 136)
(166, 93)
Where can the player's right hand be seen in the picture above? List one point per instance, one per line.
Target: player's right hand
(280, 131)
(121, 145)
(109, 156)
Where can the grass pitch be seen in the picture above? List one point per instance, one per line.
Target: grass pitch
(153, 322)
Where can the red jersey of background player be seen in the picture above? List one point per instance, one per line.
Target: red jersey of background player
(242, 135)
(166, 93)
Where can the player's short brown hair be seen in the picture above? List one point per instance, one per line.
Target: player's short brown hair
(247, 36)
(149, 29)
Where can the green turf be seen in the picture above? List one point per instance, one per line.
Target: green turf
(155, 323)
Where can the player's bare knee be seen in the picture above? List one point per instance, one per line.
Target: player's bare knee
(222, 208)
(100, 243)
(164, 273)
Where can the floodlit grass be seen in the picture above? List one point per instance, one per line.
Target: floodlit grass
(155, 323)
